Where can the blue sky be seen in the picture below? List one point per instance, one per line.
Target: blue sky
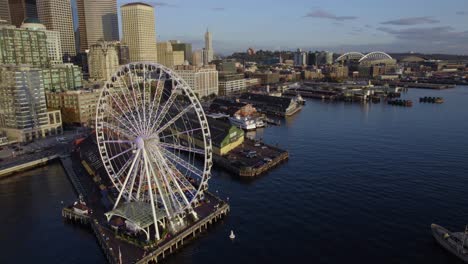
(337, 25)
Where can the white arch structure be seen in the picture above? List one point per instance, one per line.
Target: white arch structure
(350, 56)
(376, 55)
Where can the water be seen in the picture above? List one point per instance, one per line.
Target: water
(363, 184)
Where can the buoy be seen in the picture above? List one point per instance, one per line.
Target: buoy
(232, 236)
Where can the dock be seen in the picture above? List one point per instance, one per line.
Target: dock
(240, 163)
(27, 164)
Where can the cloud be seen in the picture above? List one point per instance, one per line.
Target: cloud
(218, 8)
(461, 13)
(411, 21)
(327, 15)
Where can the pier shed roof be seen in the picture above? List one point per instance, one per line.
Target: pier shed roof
(140, 213)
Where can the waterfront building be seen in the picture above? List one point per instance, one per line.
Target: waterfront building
(21, 10)
(273, 105)
(168, 57)
(185, 47)
(56, 15)
(103, 59)
(231, 84)
(97, 21)
(77, 107)
(23, 46)
(208, 51)
(202, 80)
(62, 77)
(5, 11)
(23, 111)
(54, 45)
(139, 31)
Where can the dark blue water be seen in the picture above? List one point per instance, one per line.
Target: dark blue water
(363, 184)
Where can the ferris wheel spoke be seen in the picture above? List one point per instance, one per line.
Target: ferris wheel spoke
(120, 154)
(127, 179)
(125, 112)
(124, 90)
(183, 148)
(150, 190)
(122, 122)
(170, 183)
(119, 130)
(159, 187)
(176, 160)
(164, 111)
(118, 141)
(174, 119)
(133, 98)
(157, 97)
(178, 133)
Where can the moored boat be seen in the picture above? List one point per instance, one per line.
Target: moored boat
(245, 123)
(454, 242)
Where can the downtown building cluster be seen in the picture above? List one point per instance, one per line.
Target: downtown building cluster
(51, 70)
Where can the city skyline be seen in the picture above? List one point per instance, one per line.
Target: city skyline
(362, 25)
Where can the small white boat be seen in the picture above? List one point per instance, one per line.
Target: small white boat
(243, 122)
(232, 236)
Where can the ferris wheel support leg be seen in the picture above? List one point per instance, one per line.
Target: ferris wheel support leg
(126, 179)
(152, 199)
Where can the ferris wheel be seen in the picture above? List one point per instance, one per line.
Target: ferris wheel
(154, 141)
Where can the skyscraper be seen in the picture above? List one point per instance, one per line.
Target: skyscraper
(185, 47)
(97, 21)
(103, 59)
(22, 9)
(5, 11)
(56, 15)
(208, 56)
(139, 31)
(167, 56)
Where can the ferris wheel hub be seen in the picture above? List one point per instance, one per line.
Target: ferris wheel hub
(140, 142)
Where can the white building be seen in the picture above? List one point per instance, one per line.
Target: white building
(232, 87)
(208, 52)
(300, 58)
(202, 80)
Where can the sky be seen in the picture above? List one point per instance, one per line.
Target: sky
(426, 26)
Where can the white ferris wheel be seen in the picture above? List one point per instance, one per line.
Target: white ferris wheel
(150, 127)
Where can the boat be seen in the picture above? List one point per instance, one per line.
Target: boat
(243, 122)
(299, 99)
(232, 236)
(454, 242)
(259, 123)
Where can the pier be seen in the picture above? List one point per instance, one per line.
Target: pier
(210, 211)
(28, 164)
(251, 159)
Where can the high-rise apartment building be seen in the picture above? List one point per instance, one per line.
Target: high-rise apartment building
(23, 46)
(23, 111)
(22, 9)
(300, 58)
(202, 80)
(5, 11)
(103, 59)
(54, 46)
(208, 51)
(139, 31)
(56, 15)
(97, 21)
